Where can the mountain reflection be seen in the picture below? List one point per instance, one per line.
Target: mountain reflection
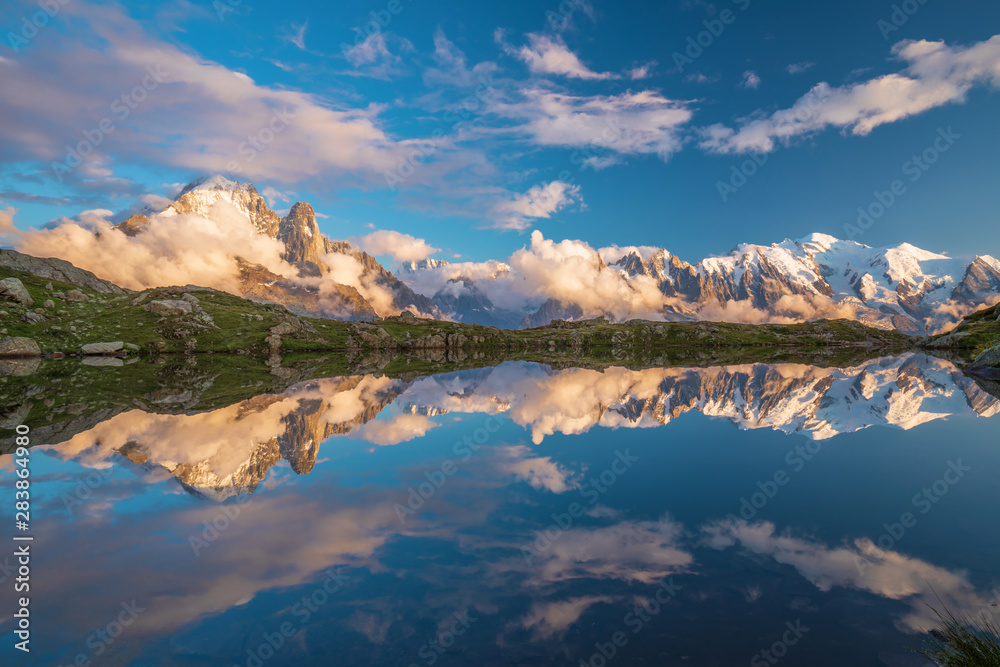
(428, 498)
(229, 451)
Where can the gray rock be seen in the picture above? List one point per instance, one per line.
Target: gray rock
(102, 348)
(33, 318)
(57, 269)
(190, 298)
(168, 307)
(19, 347)
(49, 287)
(132, 346)
(49, 303)
(75, 295)
(990, 358)
(12, 289)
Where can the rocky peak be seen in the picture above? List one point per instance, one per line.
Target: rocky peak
(198, 198)
(304, 245)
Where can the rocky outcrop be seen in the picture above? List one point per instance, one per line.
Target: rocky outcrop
(57, 269)
(168, 307)
(553, 309)
(16, 347)
(12, 289)
(102, 348)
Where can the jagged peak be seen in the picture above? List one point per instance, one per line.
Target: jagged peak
(216, 182)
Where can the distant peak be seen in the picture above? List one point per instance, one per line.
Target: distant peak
(216, 182)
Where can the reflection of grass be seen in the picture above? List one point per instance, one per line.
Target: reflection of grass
(962, 641)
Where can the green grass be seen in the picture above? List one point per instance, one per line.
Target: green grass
(981, 331)
(962, 641)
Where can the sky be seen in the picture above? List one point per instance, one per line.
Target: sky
(690, 125)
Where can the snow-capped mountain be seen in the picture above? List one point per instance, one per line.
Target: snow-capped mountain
(900, 287)
(305, 248)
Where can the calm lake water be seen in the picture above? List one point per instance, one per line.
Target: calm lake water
(521, 515)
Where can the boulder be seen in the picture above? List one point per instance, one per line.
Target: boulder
(168, 307)
(33, 318)
(19, 348)
(102, 348)
(990, 358)
(12, 289)
(75, 295)
(49, 303)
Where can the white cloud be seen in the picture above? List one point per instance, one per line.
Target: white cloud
(698, 77)
(372, 50)
(643, 122)
(63, 81)
(641, 72)
(541, 201)
(750, 80)
(399, 246)
(935, 74)
(297, 35)
(798, 68)
(547, 54)
(273, 196)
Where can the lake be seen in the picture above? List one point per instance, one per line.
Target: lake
(518, 515)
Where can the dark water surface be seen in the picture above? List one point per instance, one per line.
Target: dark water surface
(521, 515)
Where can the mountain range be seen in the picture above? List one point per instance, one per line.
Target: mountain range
(901, 287)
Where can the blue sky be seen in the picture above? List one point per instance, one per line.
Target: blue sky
(579, 119)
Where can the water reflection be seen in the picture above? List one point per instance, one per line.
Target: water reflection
(229, 451)
(454, 509)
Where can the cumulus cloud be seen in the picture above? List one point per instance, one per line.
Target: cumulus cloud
(171, 250)
(62, 88)
(935, 74)
(191, 249)
(548, 54)
(8, 232)
(541, 201)
(643, 122)
(399, 246)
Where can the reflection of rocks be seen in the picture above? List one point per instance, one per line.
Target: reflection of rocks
(19, 367)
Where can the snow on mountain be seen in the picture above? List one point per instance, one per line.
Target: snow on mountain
(901, 287)
(331, 278)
